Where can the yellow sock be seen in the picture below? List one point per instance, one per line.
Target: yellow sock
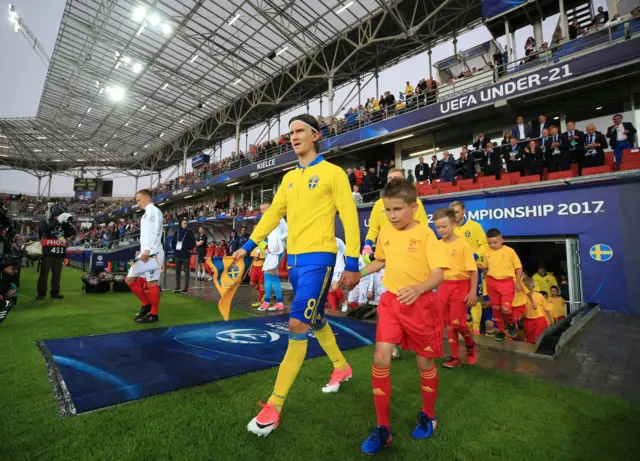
(289, 367)
(476, 315)
(327, 340)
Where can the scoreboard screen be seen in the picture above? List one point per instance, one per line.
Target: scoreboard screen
(85, 184)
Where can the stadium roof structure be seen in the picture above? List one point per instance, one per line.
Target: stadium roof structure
(142, 85)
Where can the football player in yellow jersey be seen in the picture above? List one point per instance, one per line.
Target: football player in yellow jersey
(544, 280)
(474, 233)
(378, 217)
(311, 196)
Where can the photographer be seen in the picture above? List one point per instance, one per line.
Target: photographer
(53, 237)
(9, 271)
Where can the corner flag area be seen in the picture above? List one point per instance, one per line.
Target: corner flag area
(483, 414)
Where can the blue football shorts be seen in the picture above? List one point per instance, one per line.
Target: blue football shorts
(310, 287)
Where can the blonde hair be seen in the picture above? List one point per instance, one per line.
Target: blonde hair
(396, 170)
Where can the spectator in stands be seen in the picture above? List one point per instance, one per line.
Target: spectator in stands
(234, 243)
(434, 169)
(389, 100)
(365, 187)
(529, 46)
(480, 142)
(465, 164)
(594, 145)
(380, 174)
(574, 30)
(536, 130)
(352, 177)
(182, 243)
(621, 136)
(221, 249)
(448, 172)
(244, 236)
(635, 13)
(408, 90)
(513, 156)
(572, 143)
(359, 174)
(601, 17)
(492, 162)
(555, 158)
(506, 138)
(422, 171)
(533, 159)
(410, 177)
(543, 138)
(522, 130)
(356, 195)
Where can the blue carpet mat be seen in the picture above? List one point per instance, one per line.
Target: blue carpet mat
(93, 372)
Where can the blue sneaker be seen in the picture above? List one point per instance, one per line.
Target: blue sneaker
(379, 438)
(425, 428)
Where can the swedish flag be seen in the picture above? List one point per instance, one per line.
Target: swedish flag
(601, 252)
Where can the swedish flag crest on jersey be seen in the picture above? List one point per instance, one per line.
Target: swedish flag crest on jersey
(313, 182)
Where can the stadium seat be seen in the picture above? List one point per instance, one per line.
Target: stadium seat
(529, 179)
(626, 166)
(473, 186)
(485, 179)
(575, 169)
(609, 159)
(511, 178)
(423, 188)
(596, 170)
(560, 175)
(630, 155)
(448, 190)
(464, 182)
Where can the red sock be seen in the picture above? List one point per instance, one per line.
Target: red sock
(137, 287)
(429, 381)
(497, 318)
(508, 314)
(260, 294)
(154, 296)
(353, 305)
(454, 344)
(340, 295)
(466, 335)
(331, 299)
(381, 382)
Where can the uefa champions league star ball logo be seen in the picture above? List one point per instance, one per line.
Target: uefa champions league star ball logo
(247, 336)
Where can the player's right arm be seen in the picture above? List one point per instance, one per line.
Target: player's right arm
(481, 239)
(269, 221)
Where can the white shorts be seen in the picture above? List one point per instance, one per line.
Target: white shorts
(359, 293)
(150, 276)
(338, 270)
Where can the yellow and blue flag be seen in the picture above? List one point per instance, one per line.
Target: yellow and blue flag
(227, 280)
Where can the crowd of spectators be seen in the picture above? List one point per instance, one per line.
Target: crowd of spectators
(106, 235)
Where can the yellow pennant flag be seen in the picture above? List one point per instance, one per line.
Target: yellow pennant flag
(227, 281)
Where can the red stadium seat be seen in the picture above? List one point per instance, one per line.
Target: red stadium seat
(430, 191)
(423, 188)
(485, 179)
(529, 179)
(448, 190)
(626, 166)
(596, 170)
(560, 175)
(464, 182)
(471, 187)
(574, 168)
(511, 178)
(630, 155)
(609, 159)
(490, 184)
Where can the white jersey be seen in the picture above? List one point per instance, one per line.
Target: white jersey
(151, 230)
(276, 244)
(340, 260)
(360, 292)
(378, 287)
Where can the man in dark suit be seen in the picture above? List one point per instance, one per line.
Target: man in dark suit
(594, 145)
(422, 171)
(572, 143)
(465, 164)
(621, 136)
(522, 130)
(434, 168)
(513, 156)
(448, 172)
(492, 163)
(536, 130)
(380, 174)
(555, 158)
(480, 142)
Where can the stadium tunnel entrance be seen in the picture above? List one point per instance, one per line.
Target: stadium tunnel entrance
(560, 256)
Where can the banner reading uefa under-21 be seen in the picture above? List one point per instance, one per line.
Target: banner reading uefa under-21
(593, 214)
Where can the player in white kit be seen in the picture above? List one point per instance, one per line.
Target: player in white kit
(363, 291)
(335, 294)
(144, 274)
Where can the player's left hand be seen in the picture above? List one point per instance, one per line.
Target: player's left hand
(471, 299)
(408, 295)
(518, 288)
(349, 280)
(144, 257)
